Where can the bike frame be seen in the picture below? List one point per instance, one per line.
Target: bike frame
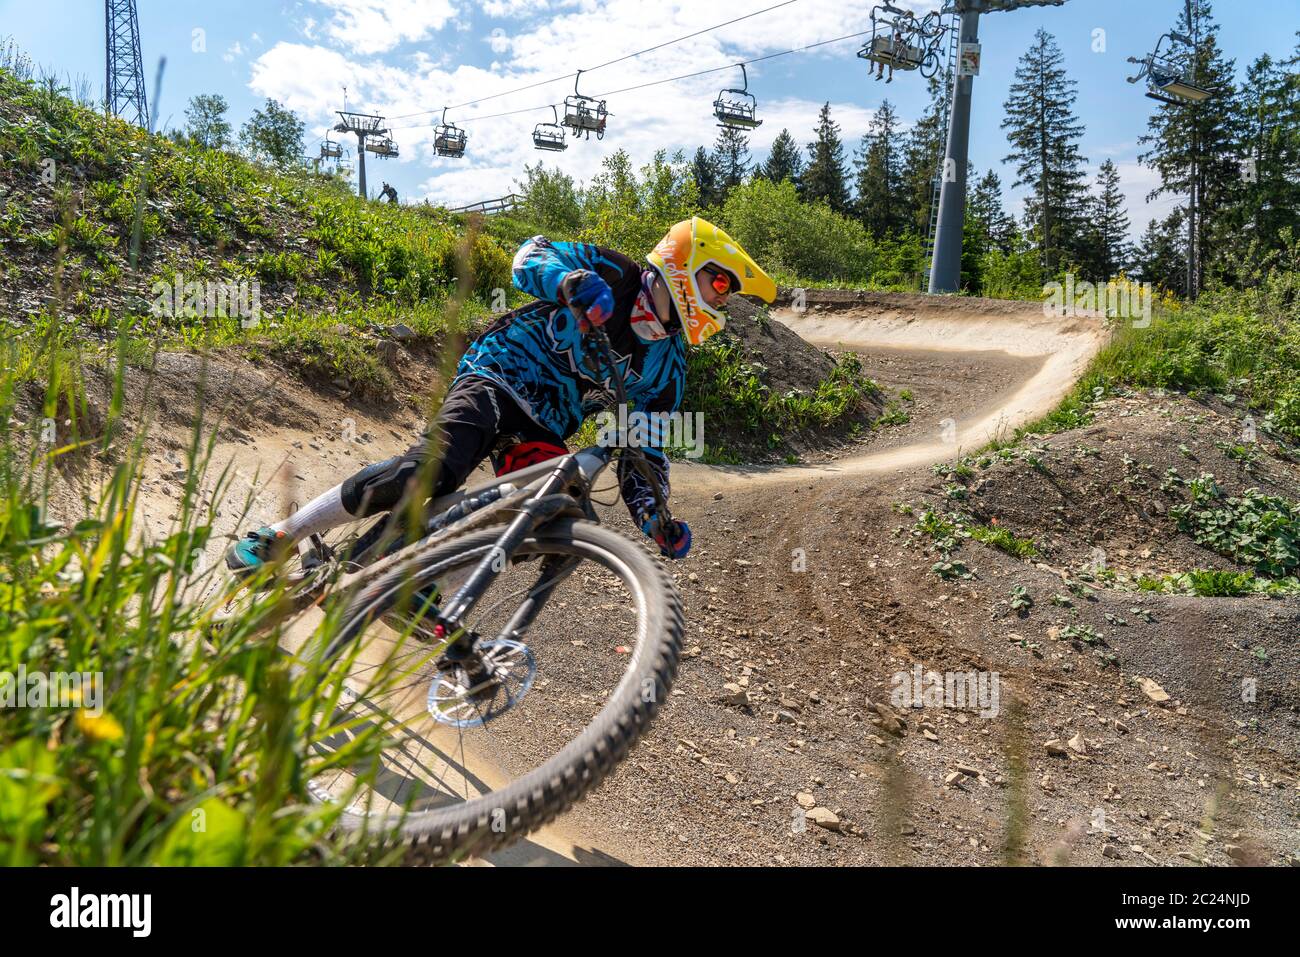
(559, 486)
(554, 490)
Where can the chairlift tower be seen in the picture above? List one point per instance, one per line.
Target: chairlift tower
(945, 268)
(364, 125)
(124, 93)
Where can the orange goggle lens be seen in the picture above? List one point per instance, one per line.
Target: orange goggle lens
(721, 282)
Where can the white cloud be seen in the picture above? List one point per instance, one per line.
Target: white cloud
(1136, 181)
(307, 77)
(514, 9)
(233, 52)
(375, 26)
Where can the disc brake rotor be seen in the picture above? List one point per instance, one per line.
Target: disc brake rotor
(512, 668)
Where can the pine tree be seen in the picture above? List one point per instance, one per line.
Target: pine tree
(783, 161)
(993, 228)
(1044, 134)
(880, 204)
(825, 178)
(922, 154)
(1268, 200)
(1109, 250)
(731, 158)
(1192, 143)
(705, 171)
(1161, 256)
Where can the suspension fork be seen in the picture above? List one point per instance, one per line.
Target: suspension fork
(554, 571)
(532, 513)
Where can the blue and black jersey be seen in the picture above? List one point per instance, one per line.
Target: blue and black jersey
(535, 352)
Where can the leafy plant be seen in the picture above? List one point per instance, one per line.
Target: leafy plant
(950, 569)
(1021, 600)
(1088, 636)
(1255, 529)
(1003, 540)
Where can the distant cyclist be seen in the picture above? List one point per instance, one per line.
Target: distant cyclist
(522, 387)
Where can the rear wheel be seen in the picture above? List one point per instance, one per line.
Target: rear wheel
(468, 766)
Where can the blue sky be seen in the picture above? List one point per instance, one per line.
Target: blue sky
(409, 56)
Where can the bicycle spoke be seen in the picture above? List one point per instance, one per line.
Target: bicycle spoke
(449, 736)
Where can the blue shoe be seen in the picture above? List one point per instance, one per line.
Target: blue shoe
(256, 550)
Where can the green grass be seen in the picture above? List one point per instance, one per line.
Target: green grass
(1207, 583)
(210, 214)
(1214, 584)
(198, 750)
(1244, 342)
(1004, 541)
(894, 414)
(730, 389)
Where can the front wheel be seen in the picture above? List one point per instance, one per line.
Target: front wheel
(462, 768)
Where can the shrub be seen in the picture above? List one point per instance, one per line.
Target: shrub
(798, 240)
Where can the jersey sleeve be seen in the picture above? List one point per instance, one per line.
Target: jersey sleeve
(540, 266)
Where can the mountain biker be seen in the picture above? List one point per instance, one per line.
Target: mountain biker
(521, 388)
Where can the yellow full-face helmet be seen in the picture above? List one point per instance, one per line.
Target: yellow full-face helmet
(692, 245)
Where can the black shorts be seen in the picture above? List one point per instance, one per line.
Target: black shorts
(477, 419)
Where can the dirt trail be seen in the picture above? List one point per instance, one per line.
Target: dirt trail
(995, 365)
(954, 332)
(1033, 363)
(989, 367)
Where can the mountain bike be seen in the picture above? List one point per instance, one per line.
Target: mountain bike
(509, 657)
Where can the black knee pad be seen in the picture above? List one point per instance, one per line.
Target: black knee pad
(379, 487)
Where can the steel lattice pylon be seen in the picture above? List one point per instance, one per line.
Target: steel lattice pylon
(124, 92)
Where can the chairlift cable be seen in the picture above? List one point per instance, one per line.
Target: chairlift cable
(569, 76)
(689, 36)
(672, 79)
(733, 65)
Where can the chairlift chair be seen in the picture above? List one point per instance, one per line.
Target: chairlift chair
(550, 136)
(331, 150)
(737, 109)
(449, 141)
(382, 147)
(892, 33)
(1168, 78)
(448, 138)
(585, 114)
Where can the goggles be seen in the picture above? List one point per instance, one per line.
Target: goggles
(720, 281)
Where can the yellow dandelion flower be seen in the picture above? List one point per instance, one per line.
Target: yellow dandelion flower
(102, 727)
